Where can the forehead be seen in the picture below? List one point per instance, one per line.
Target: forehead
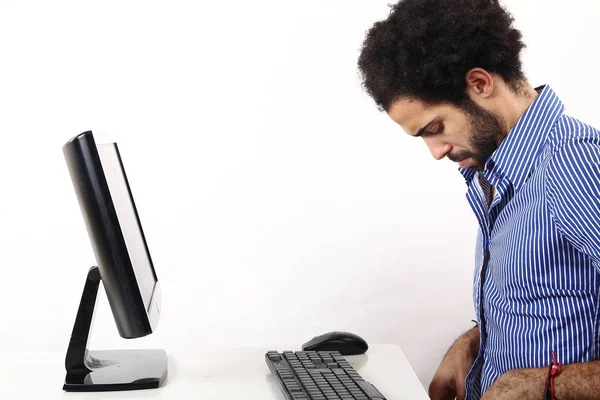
(413, 115)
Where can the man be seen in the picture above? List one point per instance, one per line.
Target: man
(449, 72)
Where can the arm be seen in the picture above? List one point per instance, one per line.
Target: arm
(573, 188)
(576, 382)
(448, 382)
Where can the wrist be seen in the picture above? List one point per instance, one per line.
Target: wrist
(564, 389)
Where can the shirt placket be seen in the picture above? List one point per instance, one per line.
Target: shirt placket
(479, 198)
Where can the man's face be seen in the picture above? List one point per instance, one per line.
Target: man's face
(467, 135)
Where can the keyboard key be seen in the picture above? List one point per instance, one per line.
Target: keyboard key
(370, 390)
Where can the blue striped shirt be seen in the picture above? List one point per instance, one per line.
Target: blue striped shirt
(537, 261)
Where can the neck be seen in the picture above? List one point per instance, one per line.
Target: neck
(514, 105)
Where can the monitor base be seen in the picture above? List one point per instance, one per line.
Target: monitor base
(107, 370)
(111, 370)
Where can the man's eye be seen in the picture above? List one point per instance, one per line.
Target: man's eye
(437, 128)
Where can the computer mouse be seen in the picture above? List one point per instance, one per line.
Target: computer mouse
(346, 343)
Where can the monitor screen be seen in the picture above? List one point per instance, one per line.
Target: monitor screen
(128, 220)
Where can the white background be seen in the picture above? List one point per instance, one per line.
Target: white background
(277, 201)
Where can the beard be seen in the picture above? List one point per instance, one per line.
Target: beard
(486, 132)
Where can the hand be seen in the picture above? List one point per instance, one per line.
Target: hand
(523, 384)
(449, 381)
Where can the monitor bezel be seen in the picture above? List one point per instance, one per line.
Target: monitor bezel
(131, 316)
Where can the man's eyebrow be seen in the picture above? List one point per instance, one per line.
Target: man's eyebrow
(421, 131)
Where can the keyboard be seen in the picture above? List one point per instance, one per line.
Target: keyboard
(319, 375)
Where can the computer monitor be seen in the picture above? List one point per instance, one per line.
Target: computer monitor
(125, 268)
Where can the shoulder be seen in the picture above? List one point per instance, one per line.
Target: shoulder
(572, 170)
(569, 134)
(573, 160)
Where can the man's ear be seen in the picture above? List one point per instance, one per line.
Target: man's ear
(479, 83)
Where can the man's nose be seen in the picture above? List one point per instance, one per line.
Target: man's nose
(438, 149)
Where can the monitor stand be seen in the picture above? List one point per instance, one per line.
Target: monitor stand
(107, 370)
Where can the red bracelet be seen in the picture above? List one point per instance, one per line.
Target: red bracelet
(553, 371)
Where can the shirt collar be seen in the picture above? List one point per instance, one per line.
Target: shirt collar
(515, 157)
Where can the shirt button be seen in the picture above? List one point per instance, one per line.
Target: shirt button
(490, 165)
(497, 175)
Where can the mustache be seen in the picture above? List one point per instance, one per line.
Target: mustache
(460, 156)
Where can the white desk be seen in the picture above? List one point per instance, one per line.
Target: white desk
(204, 375)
